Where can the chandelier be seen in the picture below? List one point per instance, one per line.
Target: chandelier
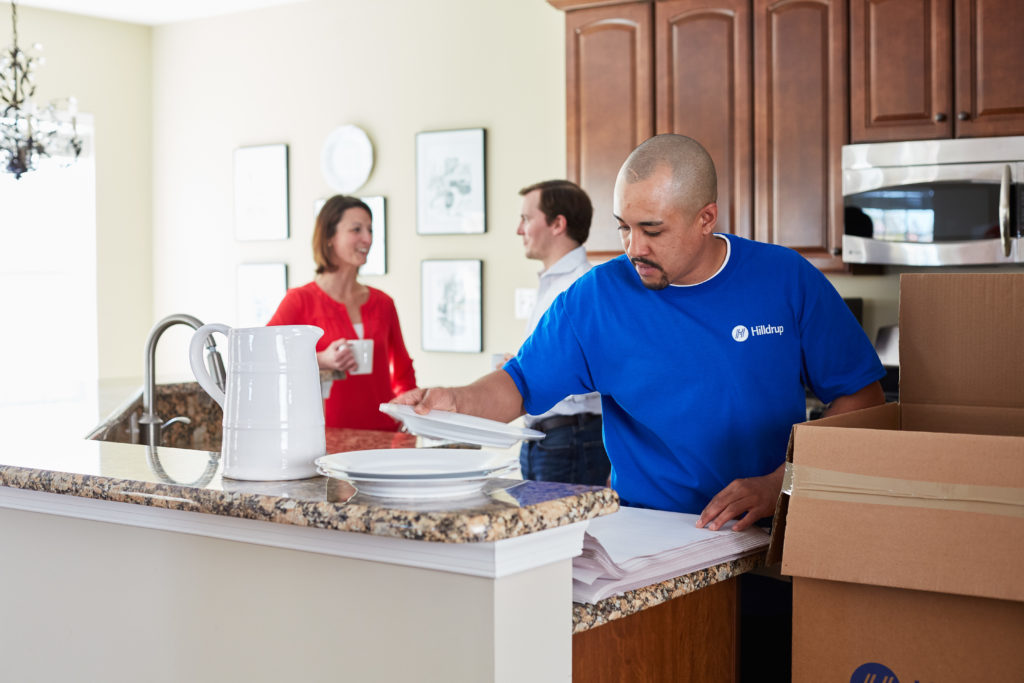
(28, 132)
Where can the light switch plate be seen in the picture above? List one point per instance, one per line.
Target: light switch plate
(526, 299)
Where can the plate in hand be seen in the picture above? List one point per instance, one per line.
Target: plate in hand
(441, 424)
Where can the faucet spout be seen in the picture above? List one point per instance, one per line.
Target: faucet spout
(153, 423)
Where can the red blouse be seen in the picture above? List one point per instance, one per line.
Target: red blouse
(354, 402)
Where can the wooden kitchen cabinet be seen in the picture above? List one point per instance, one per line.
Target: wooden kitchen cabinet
(693, 637)
(703, 90)
(609, 103)
(927, 69)
(750, 79)
(800, 126)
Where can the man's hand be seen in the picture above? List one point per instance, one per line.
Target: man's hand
(425, 400)
(755, 496)
(494, 396)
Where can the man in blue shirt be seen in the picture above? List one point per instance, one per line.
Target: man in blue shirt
(699, 343)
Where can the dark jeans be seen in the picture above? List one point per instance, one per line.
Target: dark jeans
(573, 454)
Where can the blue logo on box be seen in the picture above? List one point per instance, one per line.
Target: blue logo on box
(873, 672)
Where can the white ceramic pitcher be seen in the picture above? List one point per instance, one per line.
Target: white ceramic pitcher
(273, 412)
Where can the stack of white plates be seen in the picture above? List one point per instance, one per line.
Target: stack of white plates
(420, 473)
(459, 428)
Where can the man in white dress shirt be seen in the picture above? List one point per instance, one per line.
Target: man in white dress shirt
(554, 224)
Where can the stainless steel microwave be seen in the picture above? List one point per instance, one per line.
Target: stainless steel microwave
(934, 202)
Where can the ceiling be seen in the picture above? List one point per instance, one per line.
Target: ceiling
(152, 12)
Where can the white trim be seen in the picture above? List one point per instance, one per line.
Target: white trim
(493, 559)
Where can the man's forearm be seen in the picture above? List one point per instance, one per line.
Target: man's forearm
(871, 395)
(494, 396)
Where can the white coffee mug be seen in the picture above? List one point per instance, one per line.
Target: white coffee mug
(362, 351)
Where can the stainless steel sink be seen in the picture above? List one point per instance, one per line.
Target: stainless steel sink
(202, 432)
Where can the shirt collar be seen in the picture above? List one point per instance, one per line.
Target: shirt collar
(567, 263)
(725, 262)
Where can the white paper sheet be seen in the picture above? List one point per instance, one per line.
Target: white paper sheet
(636, 547)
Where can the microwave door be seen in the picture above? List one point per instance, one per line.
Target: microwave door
(931, 215)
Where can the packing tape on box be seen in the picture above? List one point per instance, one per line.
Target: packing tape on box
(816, 482)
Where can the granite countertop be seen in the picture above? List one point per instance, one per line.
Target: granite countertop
(587, 616)
(190, 479)
(184, 479)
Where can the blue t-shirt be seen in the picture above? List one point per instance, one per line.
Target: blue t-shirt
(699, 385)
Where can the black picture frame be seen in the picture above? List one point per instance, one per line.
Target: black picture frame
(452, 305)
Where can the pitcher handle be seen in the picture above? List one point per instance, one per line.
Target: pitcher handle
(195, 359)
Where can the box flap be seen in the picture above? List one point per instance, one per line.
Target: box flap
(934, 540)
(961, 339)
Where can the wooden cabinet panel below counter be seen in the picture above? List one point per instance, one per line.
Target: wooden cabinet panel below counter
(691, 638)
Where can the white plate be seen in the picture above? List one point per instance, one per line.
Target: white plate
(346, 158)
(416, 489)
(414, 463)
(440, 424)
(416, 473)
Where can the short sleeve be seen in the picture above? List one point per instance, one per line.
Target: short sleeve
(838, 357)
(550, 364)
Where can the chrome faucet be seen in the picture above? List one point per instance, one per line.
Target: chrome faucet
(152, 422)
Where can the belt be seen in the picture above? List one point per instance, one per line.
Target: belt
(556, 421)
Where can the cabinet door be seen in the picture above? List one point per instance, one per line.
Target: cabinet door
(702, 67)
(989, 63)
(610, 96)
(800, 115)
(901, 68)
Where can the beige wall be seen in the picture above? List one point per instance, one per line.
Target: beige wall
(291, 75)
(172, 103)
(107, 66)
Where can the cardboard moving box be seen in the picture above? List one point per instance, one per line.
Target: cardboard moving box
(904, 524)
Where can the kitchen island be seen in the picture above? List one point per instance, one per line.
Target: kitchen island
(134, 563)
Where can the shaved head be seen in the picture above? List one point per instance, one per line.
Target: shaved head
(693, 172)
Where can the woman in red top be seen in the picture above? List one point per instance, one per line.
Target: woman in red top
(345, 309)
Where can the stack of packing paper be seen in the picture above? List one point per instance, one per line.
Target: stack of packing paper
(636, 547)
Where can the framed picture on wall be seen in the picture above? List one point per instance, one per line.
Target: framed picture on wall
(376, 260)
(451, 315)
(261, 192)
(260, 288)
(450, 182)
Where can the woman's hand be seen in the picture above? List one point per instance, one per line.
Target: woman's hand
(337, 356)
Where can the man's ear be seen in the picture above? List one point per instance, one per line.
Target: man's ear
(708, 218)
(559, 225)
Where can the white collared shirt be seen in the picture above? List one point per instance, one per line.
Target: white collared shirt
(553, 282)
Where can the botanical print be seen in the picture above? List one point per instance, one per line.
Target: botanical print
(451, 305)
(450, 182)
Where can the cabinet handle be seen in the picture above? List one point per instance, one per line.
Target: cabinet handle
(837, 251)
(963, 116)
(940, 117)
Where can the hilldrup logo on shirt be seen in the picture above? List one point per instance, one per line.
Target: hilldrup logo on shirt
(741, 333)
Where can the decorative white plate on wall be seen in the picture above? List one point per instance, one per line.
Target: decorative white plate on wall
(440, 424)
(346, 159)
